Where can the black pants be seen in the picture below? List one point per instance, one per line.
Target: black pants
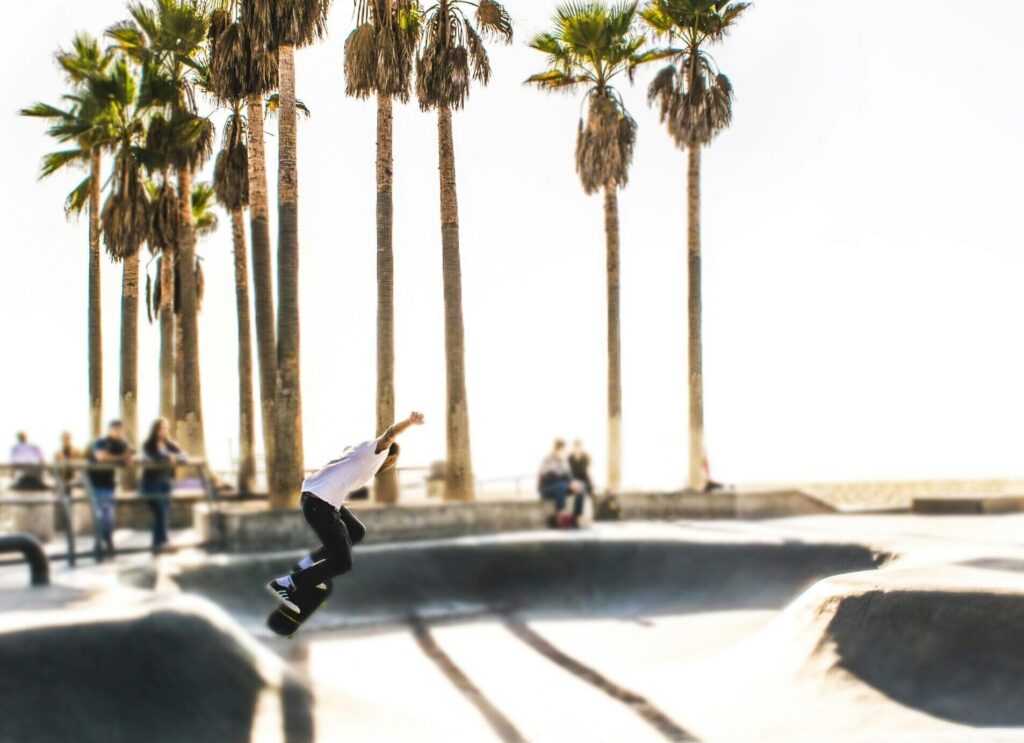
(338, 530)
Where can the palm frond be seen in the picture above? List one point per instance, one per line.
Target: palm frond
(604, 144)
(78, 198)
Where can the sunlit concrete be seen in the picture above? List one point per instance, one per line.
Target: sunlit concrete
(806, 660)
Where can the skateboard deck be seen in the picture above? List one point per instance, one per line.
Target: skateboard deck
(285, 622)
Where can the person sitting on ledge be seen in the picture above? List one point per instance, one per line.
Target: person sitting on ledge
(25, 452)
(556, 484)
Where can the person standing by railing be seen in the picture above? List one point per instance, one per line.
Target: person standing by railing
(66, 455)
(112, 449)
(157, 482)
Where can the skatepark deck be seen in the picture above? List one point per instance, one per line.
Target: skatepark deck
(825, 627)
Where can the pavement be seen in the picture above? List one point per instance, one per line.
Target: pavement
(845, 627)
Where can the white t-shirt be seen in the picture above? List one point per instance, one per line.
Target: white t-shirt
(353, 469)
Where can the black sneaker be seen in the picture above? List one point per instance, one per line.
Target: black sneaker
(283, 593)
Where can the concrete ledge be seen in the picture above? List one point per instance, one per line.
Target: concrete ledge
(251, 527)
(778, 504)
(727, 504)
(977, 504)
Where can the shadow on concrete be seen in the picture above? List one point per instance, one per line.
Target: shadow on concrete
(953, 655)
(573, 576)
(163, 676)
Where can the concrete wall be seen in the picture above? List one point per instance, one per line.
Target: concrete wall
(251, 527)
(720, 504)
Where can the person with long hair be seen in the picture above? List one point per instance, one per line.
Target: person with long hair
(158, 481)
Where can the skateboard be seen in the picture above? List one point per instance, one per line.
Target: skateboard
(285, 622)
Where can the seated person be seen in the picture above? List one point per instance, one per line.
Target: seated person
(25, 452)
(556, 484)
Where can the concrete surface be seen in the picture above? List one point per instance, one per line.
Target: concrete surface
(250, 527)
(845, 628)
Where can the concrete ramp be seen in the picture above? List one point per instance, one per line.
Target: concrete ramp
(168, 670)
(923, 652)
(567, 575)
(958, 655)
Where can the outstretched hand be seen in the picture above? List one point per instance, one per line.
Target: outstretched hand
(416, 418)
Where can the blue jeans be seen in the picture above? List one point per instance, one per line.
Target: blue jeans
(159, 498)
(559, 491)
(103, 521)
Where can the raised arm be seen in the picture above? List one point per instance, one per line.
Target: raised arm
(387, 438)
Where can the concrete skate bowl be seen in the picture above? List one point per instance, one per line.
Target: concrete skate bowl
(573, 577)
(957, 656)
(173, 672)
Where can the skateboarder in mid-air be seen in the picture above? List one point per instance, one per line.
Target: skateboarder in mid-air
(323, 494)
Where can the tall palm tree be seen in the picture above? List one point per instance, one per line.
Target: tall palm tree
(239, 70)
(284, 25)
(163, 297)
(451, 54)
(694, 99)
(167, 38)
(231, 185)
(378, 61)
(126, 224)
(86, 125)
(590, 45)
(165, 223)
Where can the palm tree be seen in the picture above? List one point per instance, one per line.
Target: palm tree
(378, 61)
(284, 25)
(163, 241)
(166, 40)
(695, 103)
(231, 185)
(590, 45)
(163, 297)
(126, 224)
(86, 124)
(451, 54)
(240, 71)
(204, 223)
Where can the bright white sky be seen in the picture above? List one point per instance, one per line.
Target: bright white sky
(862, 237)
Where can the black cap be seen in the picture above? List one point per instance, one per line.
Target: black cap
(116, 423)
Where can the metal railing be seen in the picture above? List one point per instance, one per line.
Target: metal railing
(60, 486)
(32, 551)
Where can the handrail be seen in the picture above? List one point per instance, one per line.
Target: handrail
(62, 489)
(29, 546)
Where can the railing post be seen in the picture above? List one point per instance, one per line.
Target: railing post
(63, 490)
(212, 499)
(90, 494)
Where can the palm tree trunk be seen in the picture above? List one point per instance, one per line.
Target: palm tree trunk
(167, 333)
(179, 377)
(459, 483)
(611, 230)
(129, 356)
(95, 322)
(386, 485)
(694, 341)
(287, 472)
(263, 277)
(246, 427)
(192, 438)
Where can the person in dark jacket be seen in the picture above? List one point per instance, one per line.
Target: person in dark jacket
(579, 466)
(158, 481)
(112, 449)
